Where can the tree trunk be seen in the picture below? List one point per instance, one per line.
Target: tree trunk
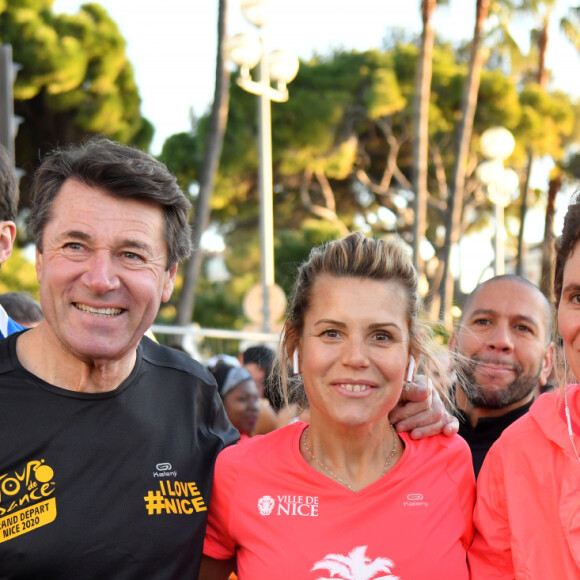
(543, 39)
(542, 80)
(525, 192)
(421, 131)
(546, 280)
(213, 149)
(455, 206)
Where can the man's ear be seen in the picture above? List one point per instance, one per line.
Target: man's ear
(7, 237)
(38, 265)
(169, 283)
(547, 364)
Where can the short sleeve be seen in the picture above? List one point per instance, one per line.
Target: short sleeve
(219, 543)
(467, 486)
(460, 470)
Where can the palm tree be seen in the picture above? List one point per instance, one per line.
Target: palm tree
(213, 149)
(540, 39)
(570, 25)
(546, 285)
(421, 130)
(455, 205)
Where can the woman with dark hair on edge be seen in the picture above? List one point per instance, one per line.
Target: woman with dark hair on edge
(345, 495)
(528, 497)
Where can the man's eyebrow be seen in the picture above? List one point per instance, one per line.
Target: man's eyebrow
(481, 312)
(75, 234)
(137, 244)
(124, 243)
(490, 312)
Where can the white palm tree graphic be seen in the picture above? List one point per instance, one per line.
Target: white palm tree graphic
(355, 566)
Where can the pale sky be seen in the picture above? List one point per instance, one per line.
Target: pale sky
(172, 46)
(172, 43)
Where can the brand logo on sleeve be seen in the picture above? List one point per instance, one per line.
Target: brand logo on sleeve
(415, 500)
(27, 499)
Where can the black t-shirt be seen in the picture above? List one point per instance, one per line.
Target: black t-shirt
(485, 433)
(108, 485)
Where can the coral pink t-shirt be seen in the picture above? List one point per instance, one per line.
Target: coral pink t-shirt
(283, 519)
(527, 515)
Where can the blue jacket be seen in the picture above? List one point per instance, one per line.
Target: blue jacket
(7, 325)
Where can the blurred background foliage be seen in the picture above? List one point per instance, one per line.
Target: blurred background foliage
(342, 144)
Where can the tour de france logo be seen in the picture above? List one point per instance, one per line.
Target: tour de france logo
(27, 499)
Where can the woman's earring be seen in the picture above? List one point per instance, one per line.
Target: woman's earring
(295, 365)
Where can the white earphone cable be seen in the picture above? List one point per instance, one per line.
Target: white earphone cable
(567, 410)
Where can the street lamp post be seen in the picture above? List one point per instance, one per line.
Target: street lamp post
(281, 67)
(497, 144)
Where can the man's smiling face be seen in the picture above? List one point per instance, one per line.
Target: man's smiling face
(501, 344)
(102, 272)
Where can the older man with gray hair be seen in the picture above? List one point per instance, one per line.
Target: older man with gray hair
(110, 439)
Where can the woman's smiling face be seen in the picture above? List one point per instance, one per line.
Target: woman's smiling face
(354, 349)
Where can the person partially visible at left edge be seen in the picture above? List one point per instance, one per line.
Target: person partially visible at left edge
(8, 209)
(109, 439)
(527, 514)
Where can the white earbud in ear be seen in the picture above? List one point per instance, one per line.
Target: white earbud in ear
(411, 369)
(295, 365)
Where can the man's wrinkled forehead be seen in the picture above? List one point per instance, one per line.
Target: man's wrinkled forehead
(509, 297)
